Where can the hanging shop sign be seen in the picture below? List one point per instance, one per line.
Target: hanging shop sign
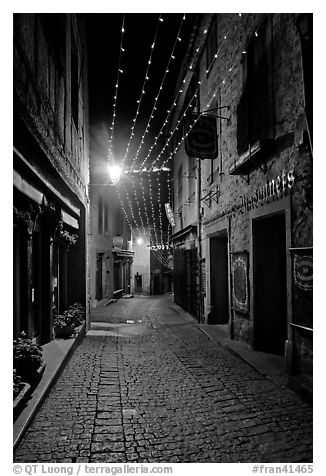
(240, 293)
(169, 214)
(201, 141)
(302, 290)
(165, 246)
(303, 272)
(303, 268)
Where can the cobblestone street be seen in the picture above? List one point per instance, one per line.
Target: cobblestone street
(159, 390)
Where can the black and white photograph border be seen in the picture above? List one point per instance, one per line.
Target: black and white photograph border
(161, 292)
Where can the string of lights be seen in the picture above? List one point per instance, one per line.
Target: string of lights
(208, 104)
(122, 207)
(157, 223)
(161, 250)
(120, 71)
(152, 207)
(192, 125)
(138, 206)
(149, 226)
(146, 78)
(173, 105)
(176, 128)
(154, 109)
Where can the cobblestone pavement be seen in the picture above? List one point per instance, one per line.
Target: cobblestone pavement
(161, 391)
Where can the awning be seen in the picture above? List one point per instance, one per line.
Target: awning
(120, 253)
(184, 231)
(66, 201)
(28, 189)
(69, 220)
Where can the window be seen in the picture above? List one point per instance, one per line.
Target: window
(100, 215)
(192, 170)
(180, 185)
(106, 217)
(255, 109)
(305, 28)
(118, 223)
(211, 49)
(54, 29)
(74, 81)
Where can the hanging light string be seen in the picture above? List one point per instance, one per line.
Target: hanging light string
(152, 206)
(159, 250)
(173, 105)
(164, 257)
(138, 207)
(138, 224)
(146, 78)
(115, 98)
(123, 207)
(209, 103)
(150, 228)
(166, 71)
(180, 142)
(190, 102)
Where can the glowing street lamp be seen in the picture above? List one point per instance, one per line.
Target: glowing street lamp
(139, 241)
(114, 172)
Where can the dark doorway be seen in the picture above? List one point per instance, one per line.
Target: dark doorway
(219, 313)
(138, 283)
(99, 277)
(269, 277)
(20, 282)
(37, 285)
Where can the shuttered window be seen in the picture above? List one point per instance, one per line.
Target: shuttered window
(255, 108)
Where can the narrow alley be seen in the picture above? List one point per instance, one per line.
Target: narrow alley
(147, 385)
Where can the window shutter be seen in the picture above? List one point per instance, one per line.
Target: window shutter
(255, 109)
(243, 122)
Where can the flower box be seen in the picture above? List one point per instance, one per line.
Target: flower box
(22, 397)
(63, 332)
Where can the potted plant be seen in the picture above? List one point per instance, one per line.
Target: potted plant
(28, 360)
(76, 313)
(63, 326)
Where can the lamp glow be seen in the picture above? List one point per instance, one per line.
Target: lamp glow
(139, 241)
(114, 172)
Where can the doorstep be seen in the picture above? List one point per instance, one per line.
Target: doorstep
(56, 355)
(270, 365)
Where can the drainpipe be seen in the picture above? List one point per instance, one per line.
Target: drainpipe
(199, 220)
(231, 330)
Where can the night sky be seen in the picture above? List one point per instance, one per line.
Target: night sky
(104, 37)
(104, 49)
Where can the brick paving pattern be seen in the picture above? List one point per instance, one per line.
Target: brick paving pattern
(162, 391)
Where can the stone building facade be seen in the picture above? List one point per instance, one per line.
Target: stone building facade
(109, 240)
(51, 169)
(244, 216)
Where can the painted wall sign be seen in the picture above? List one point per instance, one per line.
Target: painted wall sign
(240, 292)
(272, 190)
(201, 141)
(302, 290)
(169, 214)
(303, 272)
